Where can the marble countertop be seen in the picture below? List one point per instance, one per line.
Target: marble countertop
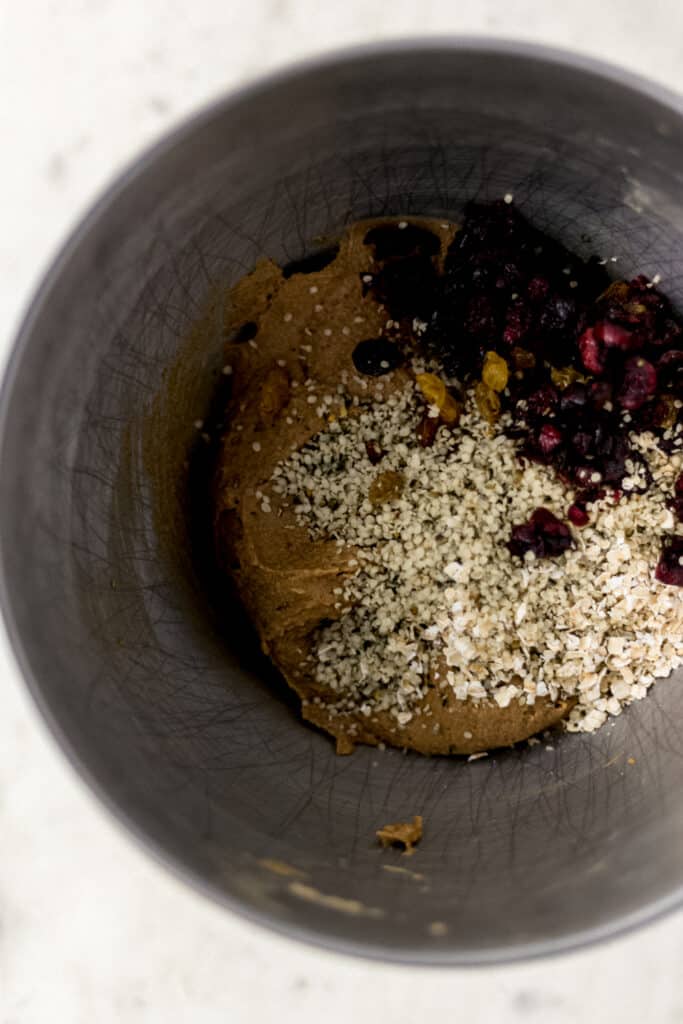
(90, 929)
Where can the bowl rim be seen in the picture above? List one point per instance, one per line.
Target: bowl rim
(483, 45)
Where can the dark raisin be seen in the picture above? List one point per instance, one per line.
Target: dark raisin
(543, 534)
(376, 356)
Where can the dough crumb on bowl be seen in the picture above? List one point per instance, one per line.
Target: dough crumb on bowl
(403, 833)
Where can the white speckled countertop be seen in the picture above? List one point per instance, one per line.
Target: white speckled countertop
(91, 931)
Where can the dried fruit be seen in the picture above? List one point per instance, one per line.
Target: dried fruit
(638, 384)
(488, 402)
(577, 514)
(592, 351)
(387, 486)
(495, 372)
(670, 565)
(549, 438)
(427, 430)
(563, 376)
(436, 393)
(375, 453)
(615, 336)
(543, 534)
(376, 356)
(522, 359)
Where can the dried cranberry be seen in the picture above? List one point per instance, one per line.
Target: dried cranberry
(543, 401)
(639, 383)
(615, 336)
(592, 351)
(537, 288)
(549, 438)
(670, 565)
(577, 514)
(376, 356)
(516, 323)
(544, 534)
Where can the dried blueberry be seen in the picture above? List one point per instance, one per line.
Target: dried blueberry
(376, 356)
(543, 534)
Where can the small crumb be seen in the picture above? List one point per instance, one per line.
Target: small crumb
(227, 371)
(402, 833)
(287, 317)
(631, 760)
(508, 198)
(476, 757)
(438, 928)
(402, 224)
(313, 289)
(198, 424)
(256, 446)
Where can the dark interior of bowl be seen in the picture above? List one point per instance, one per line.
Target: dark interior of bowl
(167, 706)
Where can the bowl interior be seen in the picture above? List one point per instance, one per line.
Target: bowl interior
(159, 694)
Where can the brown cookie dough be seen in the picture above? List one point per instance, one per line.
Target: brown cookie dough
(290, 341)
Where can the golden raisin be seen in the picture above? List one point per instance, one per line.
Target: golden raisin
(436, 393)
(386, 486)
(495, 372)
(563, 376)
(522, 359)
(432, 387)
(488, 402)
(617, 291)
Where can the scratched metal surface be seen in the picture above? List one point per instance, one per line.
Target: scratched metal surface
(177, 723)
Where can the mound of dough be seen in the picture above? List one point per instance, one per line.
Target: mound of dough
(283, 331)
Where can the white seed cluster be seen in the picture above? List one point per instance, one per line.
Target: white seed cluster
(438, 599)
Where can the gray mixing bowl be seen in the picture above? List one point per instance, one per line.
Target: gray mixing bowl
(160, 699)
